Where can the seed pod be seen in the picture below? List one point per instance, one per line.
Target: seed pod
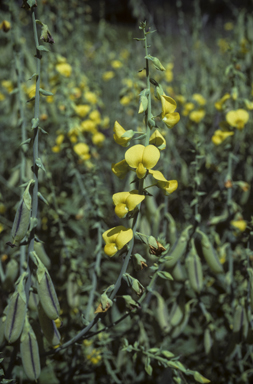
(30, 352)
(194, 269)
(2, 325)
(178, 272)
(46, 290)
(181, 326)
(240, 324)
(72, 291)
(22, 217)
(176, 313)
(208, 341)
(49, 328)
(250, 272)
(210, 254)
(11, 274)
(179, 248)
(162, 314)
(33, 301)
(41, 253)
(16, 311)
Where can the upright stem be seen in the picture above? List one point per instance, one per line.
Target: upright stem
(148, 111)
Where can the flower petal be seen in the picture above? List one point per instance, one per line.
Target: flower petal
(134, 155)
(171, 119)
(173, 184)
(158, 140)
(168, 105)
(120, 169)
(121, 210)
(110, 249)
(157, 175)
(110, 235)
(141, 171)
(133, 200)
(151, 155)
(124, 237)
(120, 197)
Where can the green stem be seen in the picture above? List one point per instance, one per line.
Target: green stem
(148, 111)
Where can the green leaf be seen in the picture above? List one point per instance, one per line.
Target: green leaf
(148, 369)
(42, 48)
(168, 354)
(42, 198)
(26, 142)
(45, 93)
(39, 164)
(31, 99)
(43, 131)
(156, 62)
(199, 378)
(35, 123)
(34, 75)
(194, 202)
(165, 275)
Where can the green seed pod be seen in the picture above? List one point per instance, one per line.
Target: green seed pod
(22, 217)
(33, 301)
(16, 311)
(172, 230)
(179, 272)
(2, 325)
(194, 269)
(49, 328)
(208, 341)
(73, 291)
(240, 324)
(46, 290)
(162, 314)
(11, 274)
(30, 352)
(210, 254)
(250, 272)
(40, 251)
(186, 315)
(179, 248)
(176, 314)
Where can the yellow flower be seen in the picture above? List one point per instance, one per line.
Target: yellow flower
(142, 158)
(228, 26)
(168, 75)
(59, 139)
(187, 108)
(248, 104)
(94, 357)
(2, 208)
(88, 126)
(125, 100)
(168, 186)
(120, 169)
(1, 227)
(82, 110)
(2, 97)
(105, 122)
(128, 82)
(64, 69)
(108, 75)
(199, 98)
(7, 84)
(116, 64)
(50, 99)
(116, 238)
(119, 131)
(126, 201)
(181, 99)
(219, 103)
(197, 116)
(239, 224)
(219, 136)
(91, 97)
(158, 140)
(82, 150)
(169, 117)
(98, 138)
(237, 118)
(75, 93)
(5, 26)
(95, 116)
(56, 148)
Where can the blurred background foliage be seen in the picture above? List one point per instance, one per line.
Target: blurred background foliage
(92, 70)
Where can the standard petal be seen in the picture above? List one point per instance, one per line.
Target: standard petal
(120, 197)
(158, 140)
(151, 155)
(171, 119)
(173, 184)
(242, 115)
(110, 235)
(120, 169)
(134, 155)
(133, 200)
(168, 105)
(231, 118)
(157, 175)
(124, 237)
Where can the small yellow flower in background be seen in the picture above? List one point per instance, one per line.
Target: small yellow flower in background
(1, 227)
(95, 116)
(116, 64)
(219, 103)
(108, 75)
(228, 26)
(82, 150)
(168, 186)
(219, 136)
(142, 158)
(124, 54)
(197, 116)
(75, 93)
(125, 100)
(50, 99)
(158, 140)
(248, 104)
(88, 126)
(142, 74)
(56, 148)
(94, 357)
(126, 202)
(119, 131)
(64, 69)
(31, 90)
(98, 138)
(237, 118)
(7, 84)
(59, 139)
(187, 108)
(82, 110)
(128, 82)
(2, 208)
(199, 99)
(168, 72)
(91, 97)
(105, 122)
(2, 97)
(120, 169)
(181, 99)
(169, 117)
(116, 238)
(5, 26)
(239, 224)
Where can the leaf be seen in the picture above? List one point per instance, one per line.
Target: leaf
(200, 379)
(26, 142)
(45, 93)
(42, 48)
(39, 164)
(31, 99)
(148, 369)
(35, 123)
(165, 275)
(34, 75)
(168, 354)
(42, 198)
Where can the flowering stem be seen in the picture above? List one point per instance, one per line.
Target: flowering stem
(148, 111)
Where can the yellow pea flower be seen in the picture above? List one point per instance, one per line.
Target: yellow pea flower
(5, 26)
(187, 108)
(95, 116)
(158, 140)
(116, 238)
(237, 118)
(116, 64)
(239, 224)
(168, 186)
(120, 169)
(82, 110)
(219, 136)
(64, 69)
(98, 138)
(142, 158)
(59, 139)
(219, 103)
(118, 133)
(199, 98)
(126, 202)
(91, 97)
(169, 117)
(197, 116)
(108, 75)
(88, 126)
(82, 150)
